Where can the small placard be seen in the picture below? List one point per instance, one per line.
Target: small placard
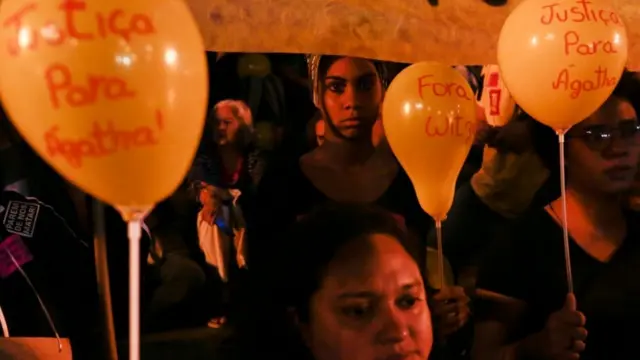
(20, 218)
(13, 253)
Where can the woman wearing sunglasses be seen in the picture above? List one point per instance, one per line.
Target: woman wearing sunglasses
(600, 319)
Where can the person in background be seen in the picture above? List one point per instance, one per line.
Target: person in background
(224, 180)
(228, 164)
(315, 131)
(228, 157)
(353, 288)
(599, 319)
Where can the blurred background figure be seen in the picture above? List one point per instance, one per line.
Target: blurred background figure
(315, 131)
(224, 178)
(228, 157)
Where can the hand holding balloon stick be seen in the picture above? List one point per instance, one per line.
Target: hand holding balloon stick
(561, 60)
(112, 94)
(429, 117)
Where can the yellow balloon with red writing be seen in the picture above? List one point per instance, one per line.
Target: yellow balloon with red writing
(429, 118)
(111, 93)
(561, 59)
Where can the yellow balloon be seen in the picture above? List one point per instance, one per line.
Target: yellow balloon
(256, 65)
(111, 93)
(429, 118)
(562, 59)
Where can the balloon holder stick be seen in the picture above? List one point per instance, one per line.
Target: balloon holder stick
(134, 231)
(565, 225)
(134, 218)
(440, 253)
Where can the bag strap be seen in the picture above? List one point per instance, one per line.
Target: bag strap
(35, 292)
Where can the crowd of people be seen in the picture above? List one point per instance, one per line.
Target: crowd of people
(297, 227)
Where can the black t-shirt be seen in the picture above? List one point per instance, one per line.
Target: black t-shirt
(530, 266)
(285, 194)
(59, 267)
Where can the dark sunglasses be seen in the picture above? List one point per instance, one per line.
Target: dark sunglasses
(600, 136)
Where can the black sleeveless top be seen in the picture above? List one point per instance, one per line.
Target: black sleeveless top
(285, 194)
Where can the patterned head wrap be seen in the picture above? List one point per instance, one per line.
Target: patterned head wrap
(313, 65)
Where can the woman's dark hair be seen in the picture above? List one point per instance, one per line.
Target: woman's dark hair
(545, 140)
(315, 240)
(323, 67)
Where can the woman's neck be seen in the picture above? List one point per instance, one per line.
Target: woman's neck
(602, 210)
(347, 153)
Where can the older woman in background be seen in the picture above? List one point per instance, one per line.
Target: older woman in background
(224, 177)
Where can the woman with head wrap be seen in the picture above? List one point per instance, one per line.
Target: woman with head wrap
(346, 168)
(348, 92)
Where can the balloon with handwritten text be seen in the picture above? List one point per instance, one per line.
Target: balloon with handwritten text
(561, 59)
(429, 118)
(111, 93)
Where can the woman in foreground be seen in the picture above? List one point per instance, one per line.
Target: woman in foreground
(353, 288)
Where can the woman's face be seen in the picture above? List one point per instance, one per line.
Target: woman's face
(371, 305)
(226, 126)
(603, 151)
(352, 96)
